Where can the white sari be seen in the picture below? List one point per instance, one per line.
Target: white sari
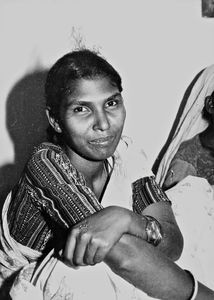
(190, 120)
(53, 279)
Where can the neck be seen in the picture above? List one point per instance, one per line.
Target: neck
(95, 175)
(89, 169)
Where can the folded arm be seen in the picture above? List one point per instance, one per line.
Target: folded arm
(151, 271)
(91, 240)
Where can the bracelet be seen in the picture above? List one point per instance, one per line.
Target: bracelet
(195, 286)
(153, 230)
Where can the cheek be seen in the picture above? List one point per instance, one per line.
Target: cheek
(124, 115)
(77, 130)
(120, 119)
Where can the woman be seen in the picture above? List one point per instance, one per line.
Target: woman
(189, 148)
(195, 155)
(87, 182)
(192, 192)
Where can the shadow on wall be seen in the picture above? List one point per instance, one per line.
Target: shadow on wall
(26, 123)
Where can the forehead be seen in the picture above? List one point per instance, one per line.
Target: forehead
(93, 89)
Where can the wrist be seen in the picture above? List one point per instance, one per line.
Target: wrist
(125, 216)
(137, 225)
(153, 231)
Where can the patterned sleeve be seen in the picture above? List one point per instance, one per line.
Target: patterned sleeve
(146, 191)
(57, 188)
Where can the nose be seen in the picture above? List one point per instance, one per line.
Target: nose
(101, 121)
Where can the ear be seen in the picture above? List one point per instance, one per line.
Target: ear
(52, 121)
(209, 104)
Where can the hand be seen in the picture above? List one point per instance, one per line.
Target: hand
(91, 239)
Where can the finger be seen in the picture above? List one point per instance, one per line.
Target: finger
(79, 251)
(100, 254)
(90, 253)
(70, 247)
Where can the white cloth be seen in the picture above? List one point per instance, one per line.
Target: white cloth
(193, 206)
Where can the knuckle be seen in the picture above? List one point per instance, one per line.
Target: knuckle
(99, 242)
(74, 231)
(99, 257)
(88, 261)
(84, 236)
(105, 245)
(95, 241)
(78, 262)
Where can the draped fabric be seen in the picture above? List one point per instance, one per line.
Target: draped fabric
(193, 206)
(189, 121)
(193, 197)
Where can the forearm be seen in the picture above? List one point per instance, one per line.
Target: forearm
(204, 293)
(148, 269)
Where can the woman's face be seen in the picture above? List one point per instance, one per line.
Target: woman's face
(92, 119)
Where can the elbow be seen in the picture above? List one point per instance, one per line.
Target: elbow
(177, 245)
(176, 254)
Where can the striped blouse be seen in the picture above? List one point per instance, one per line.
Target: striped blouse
(51, 196)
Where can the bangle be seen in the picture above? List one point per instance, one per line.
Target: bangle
(153, 230)
(195, 286)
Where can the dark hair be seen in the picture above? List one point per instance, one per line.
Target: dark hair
(205, 114)
(80, 64)
(75, 65)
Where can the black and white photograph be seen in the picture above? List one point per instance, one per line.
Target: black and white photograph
(107, 150)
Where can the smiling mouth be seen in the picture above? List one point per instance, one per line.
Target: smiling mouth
(102, 141)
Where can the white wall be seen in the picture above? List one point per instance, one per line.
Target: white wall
(157, 46)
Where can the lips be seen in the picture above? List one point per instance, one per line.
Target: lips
(102, 141)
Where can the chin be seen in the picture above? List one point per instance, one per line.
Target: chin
(102, 156)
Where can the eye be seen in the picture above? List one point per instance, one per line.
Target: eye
(80, 109)
(111, 103)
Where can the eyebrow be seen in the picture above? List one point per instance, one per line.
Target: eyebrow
(75, 101)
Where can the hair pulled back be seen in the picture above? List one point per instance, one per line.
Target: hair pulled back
(79, 64)
(62, 77)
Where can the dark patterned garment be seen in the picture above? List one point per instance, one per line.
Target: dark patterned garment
(146, 191)
(52, 196)
(191, 159)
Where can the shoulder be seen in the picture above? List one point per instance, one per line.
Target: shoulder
(189, 145)
(188, 150)
(46, 147)
(184, 162)
(45, 156)
(46, 150)
(50, 162)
